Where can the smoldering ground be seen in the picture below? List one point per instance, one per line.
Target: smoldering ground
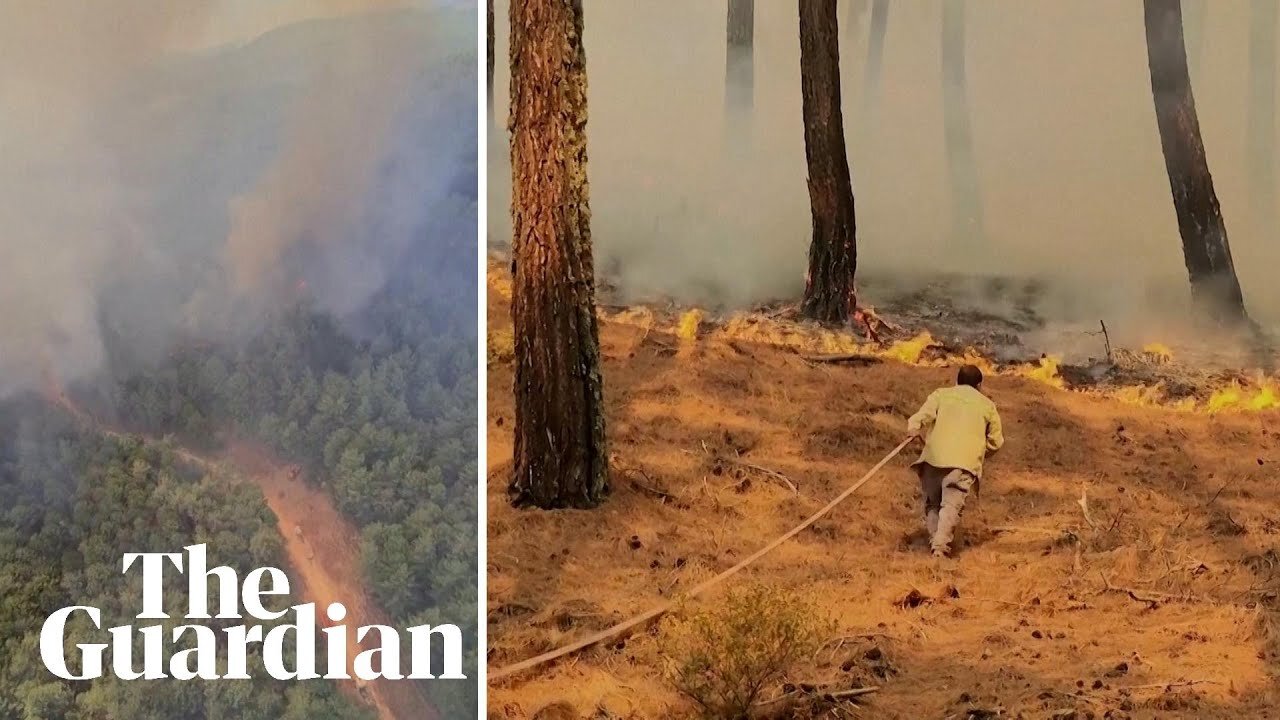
(1068, 159)
(180, 172)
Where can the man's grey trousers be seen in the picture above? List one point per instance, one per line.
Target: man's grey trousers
(944, 490)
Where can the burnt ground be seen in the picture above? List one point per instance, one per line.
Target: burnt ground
(1160, 601)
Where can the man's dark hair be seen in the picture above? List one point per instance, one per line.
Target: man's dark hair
(969, 375)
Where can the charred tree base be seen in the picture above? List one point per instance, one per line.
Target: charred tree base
(834, 308)
(561, 456)
(522, 497)
(1218, 302)
(1262, 348)
(830, 304)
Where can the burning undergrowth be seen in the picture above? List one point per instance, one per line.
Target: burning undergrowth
(1151, 376)
(1002, 333)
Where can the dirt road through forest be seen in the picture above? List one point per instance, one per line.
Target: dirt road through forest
(322, 550)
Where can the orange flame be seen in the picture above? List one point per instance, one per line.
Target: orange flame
(1263, 394)
(1158, 351)
(909, 351)
(1046, 371)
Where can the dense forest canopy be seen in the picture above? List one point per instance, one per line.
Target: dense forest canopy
(78, 500)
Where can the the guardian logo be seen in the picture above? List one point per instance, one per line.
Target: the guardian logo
(206, 651)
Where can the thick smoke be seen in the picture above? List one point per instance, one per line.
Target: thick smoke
(1064, 136)
(62, 206)
(178, 169)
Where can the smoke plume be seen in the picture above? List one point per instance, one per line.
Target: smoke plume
(176, 170)
(1064, 136)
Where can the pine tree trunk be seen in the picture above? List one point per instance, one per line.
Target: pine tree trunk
(739, 73)
(829, 290)
(1262, 116)
(1214, 286)
(967, 227)
(560, 453)
(489, 58)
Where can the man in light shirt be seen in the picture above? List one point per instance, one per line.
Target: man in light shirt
(960, 426)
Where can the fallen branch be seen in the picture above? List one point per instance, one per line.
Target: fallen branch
(1009, 603)
(846, 694)
(761, 469)
(660, 494)
(872, 324)
(1169, 685)
(863, 636)
(851, 358)
(1033, 530)
(647, 328)
(837, 643)
(784, 310)
(1151, 597)
(1215, 495)
(1117, 519)
(1078, 695)
(818, 694)
(1205, 507)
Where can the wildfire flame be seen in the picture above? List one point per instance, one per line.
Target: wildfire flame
(1235, 397)
(1158, 351)
(1263, 393)
(909, 351)
(1046, 372)
(687, 329)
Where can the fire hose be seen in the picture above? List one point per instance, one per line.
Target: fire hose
(645, 617)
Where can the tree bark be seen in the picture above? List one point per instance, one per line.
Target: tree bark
(739, 73)
(489, 59)
(829, 289)
(1262, 116)
(967, 226)
(560, 451)
(1214, 286)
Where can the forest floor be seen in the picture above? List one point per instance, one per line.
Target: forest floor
(322, 551)
(1156, 597)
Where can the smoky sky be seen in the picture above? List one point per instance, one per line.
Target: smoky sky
(1064, 137)
(178, 170)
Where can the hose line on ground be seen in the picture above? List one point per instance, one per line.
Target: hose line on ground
(645, 617)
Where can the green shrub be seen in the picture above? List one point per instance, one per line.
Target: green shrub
(724, 656)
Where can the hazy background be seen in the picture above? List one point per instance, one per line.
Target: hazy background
(1064, 135)
(175, 170)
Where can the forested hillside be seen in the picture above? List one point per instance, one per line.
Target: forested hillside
(351, 351)
(380, 409)
(387, 421)
(74, 503)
